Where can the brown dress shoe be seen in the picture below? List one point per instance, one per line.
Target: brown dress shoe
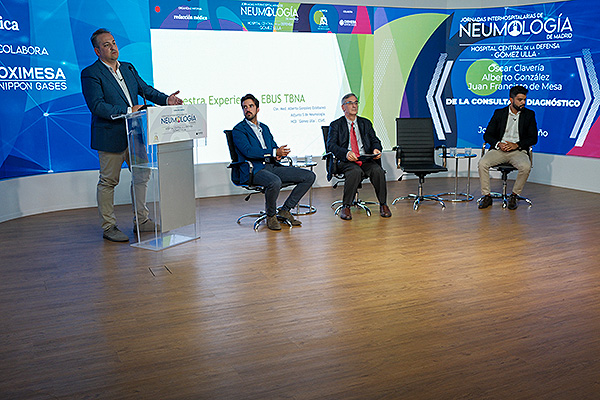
(345, 213)
(384, 211)
(115, 235)
(273, 224)
(288, 215)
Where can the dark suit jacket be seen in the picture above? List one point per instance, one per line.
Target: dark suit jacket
(339, 137)
(528, 132)
(247, 147)
(104, 97)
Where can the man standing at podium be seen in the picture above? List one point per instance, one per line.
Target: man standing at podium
(111, 88)
(254, 142)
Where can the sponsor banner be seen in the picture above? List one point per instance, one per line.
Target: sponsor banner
(260, 16)
(175, 123)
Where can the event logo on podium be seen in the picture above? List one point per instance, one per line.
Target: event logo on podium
(175, 123)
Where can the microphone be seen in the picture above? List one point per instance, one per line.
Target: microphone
(141, 86)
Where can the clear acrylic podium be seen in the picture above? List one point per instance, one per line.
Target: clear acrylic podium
(168, 171)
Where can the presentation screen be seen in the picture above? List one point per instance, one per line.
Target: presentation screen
(298, 81)
(287, 55)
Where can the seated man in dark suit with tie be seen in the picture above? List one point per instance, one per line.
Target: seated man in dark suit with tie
(349, 138)
(254, 142)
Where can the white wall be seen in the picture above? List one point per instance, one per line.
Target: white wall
(53, 192)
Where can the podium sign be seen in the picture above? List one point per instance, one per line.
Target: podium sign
(175, 123)
(161, 158)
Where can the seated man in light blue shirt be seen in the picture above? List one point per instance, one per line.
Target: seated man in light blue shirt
(253, 142)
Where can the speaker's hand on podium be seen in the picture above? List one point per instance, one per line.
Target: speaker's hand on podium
(138, 107)
(173, 100)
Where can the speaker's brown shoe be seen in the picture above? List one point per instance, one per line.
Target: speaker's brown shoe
(115, 235)
(146, 226)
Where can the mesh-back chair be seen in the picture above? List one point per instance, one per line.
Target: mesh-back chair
(234, 165)
(505, 169)
(331, 165)
(415, 155)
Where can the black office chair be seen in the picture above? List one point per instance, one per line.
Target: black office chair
(234, 165)
(505, 169)
(415, 155)
(331, 165)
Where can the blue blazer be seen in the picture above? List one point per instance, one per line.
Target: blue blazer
(247, 147)
(104, 97)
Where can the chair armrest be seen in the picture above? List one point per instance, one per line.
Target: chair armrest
(444, 155)
(398, 151)
(286, 159)
(250, 173)
(235, 164)
(330, 165)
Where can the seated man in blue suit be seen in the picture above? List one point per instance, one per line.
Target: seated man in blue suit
(350, 137)
(111, 88)
(254, 142)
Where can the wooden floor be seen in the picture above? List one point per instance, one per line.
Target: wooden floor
(458, 303)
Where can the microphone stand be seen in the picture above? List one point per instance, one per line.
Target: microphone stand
(140, 86)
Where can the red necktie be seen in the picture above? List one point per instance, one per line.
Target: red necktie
(354, 143)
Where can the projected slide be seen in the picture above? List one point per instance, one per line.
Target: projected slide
(298, 78)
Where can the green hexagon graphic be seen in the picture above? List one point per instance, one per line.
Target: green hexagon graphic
(483, 77)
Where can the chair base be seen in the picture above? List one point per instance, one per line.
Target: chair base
(504, 197)
(463, 196)
(260, 217)
(309, 209)
(419, 199)
(358, 203)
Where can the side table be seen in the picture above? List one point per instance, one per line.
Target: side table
(310, 209)
(465, 196)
